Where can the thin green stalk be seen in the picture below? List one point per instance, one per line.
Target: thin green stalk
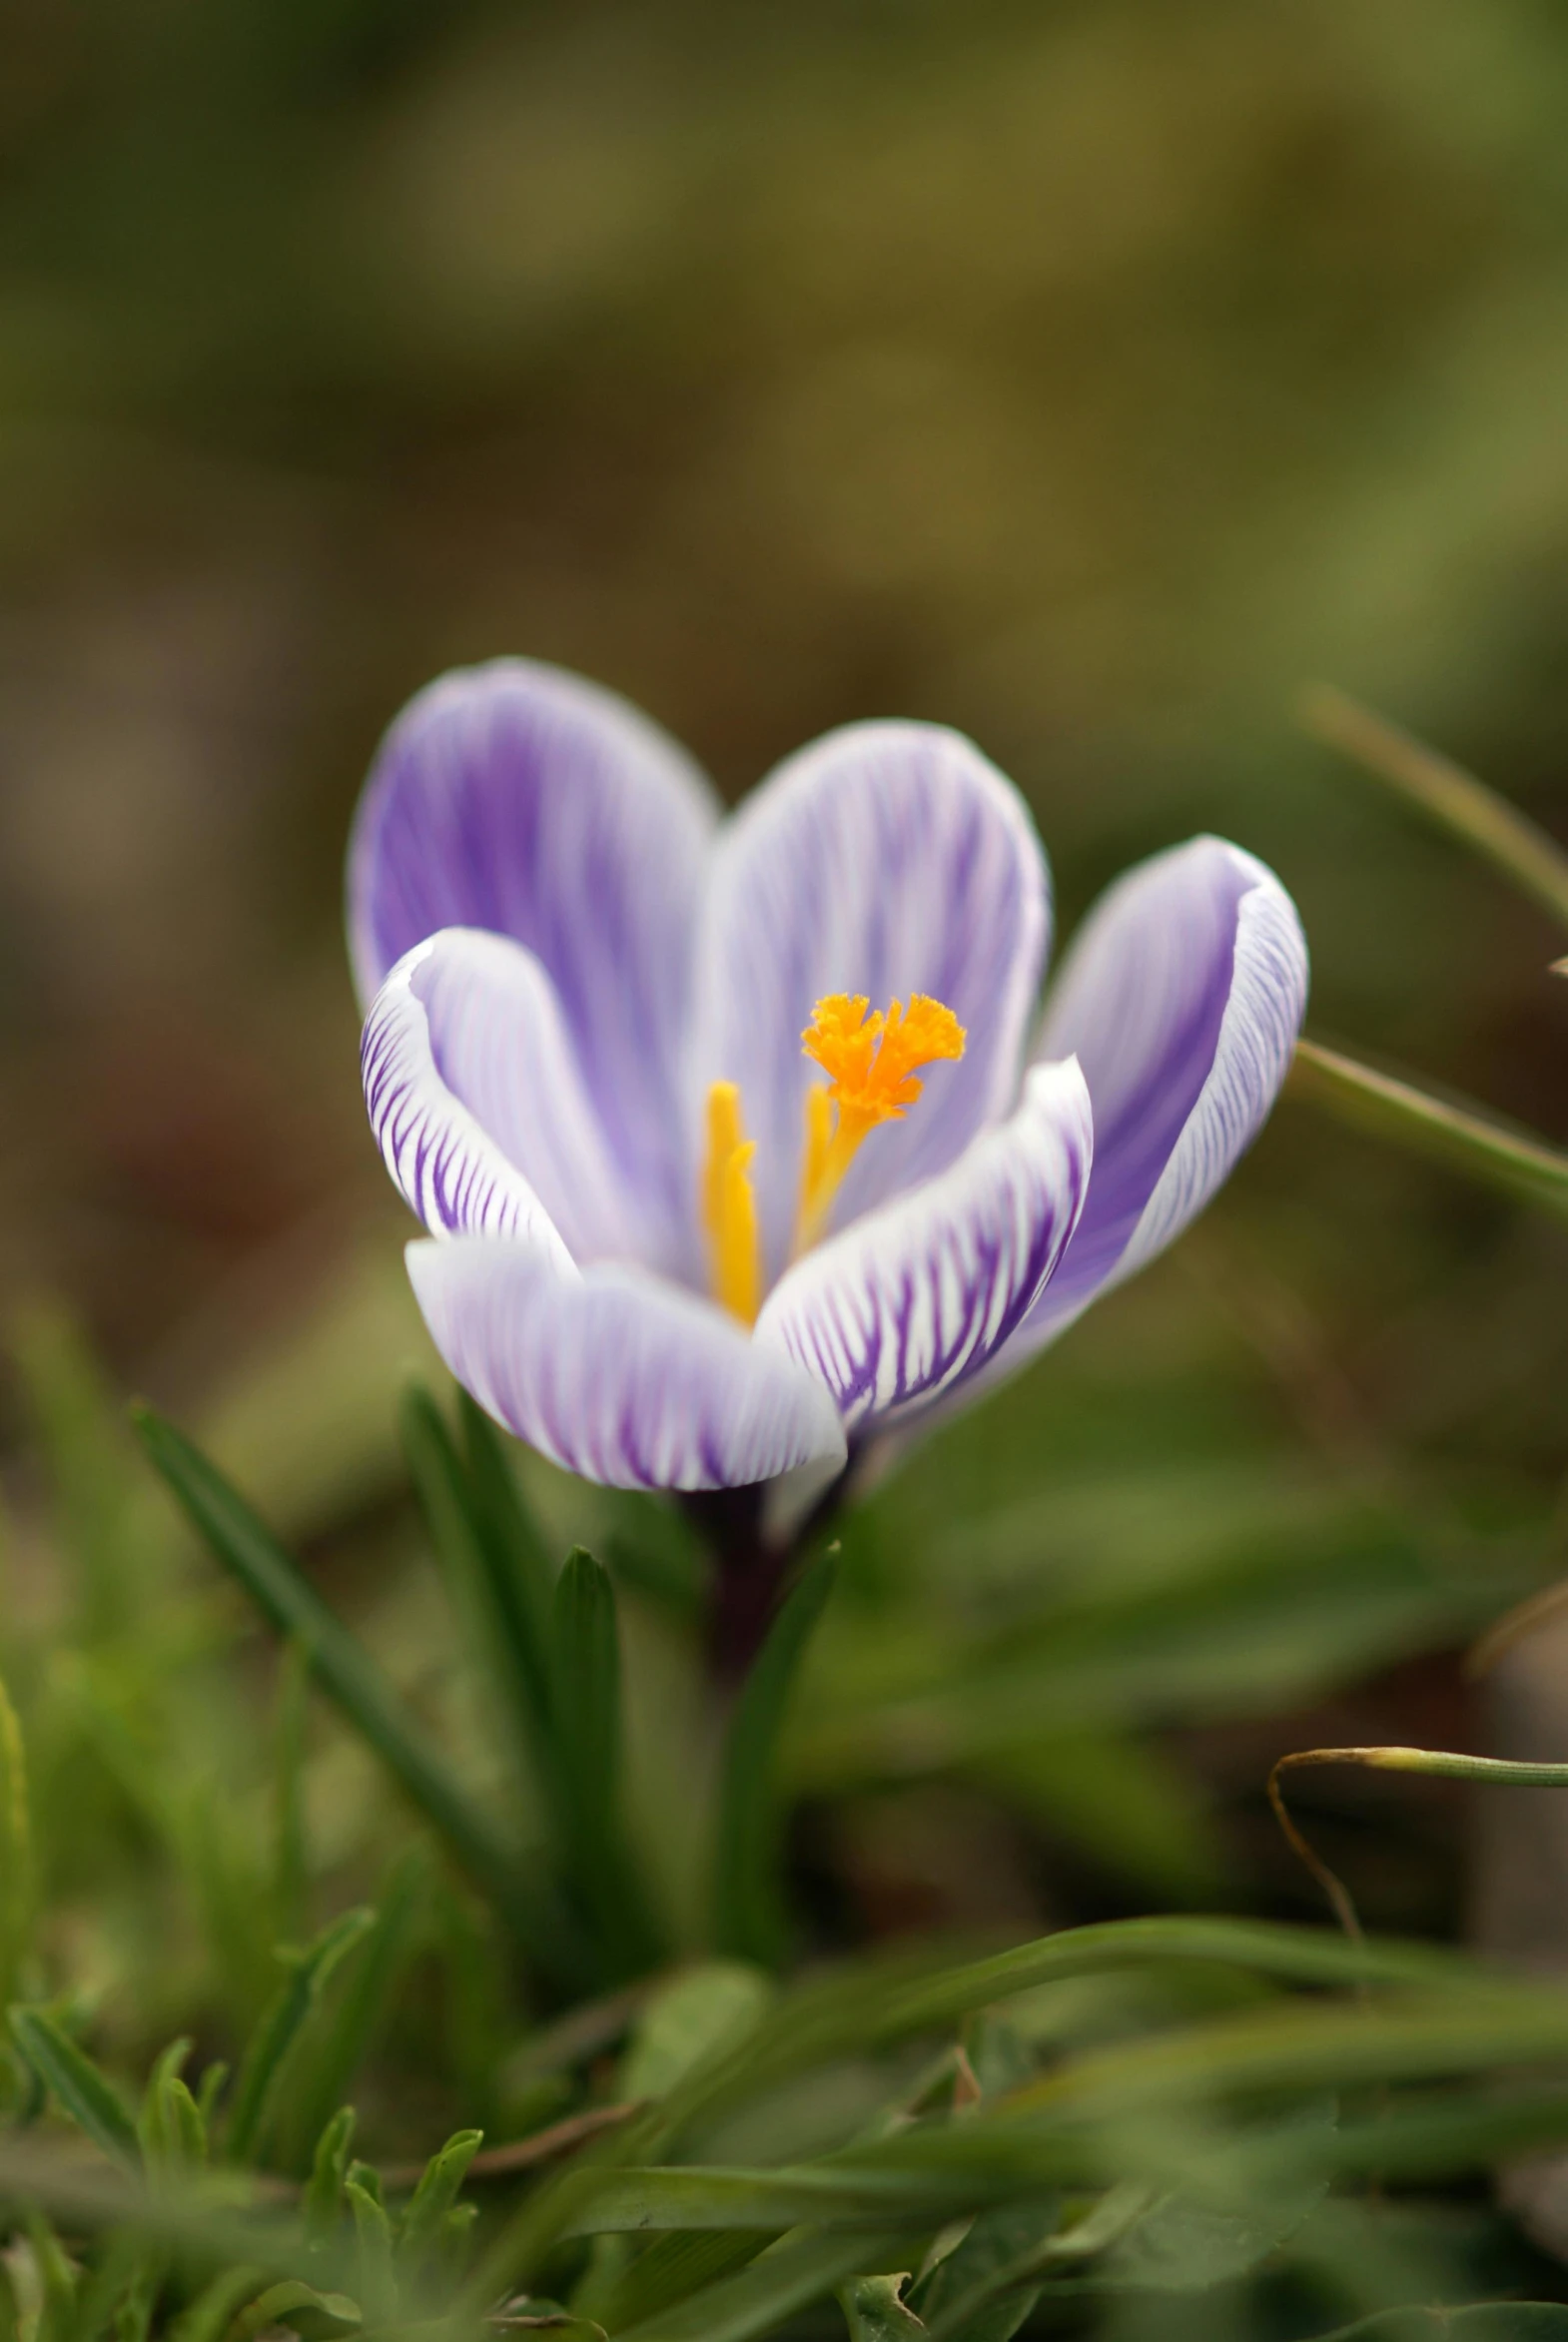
(1445, 792)
(1458, 1134)
(1495, 1772)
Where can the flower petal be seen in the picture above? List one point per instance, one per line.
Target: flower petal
(478, 1104)
(615, 1374)
(886, 859)
(1182, 997)
(520, 798)
(921, 1294)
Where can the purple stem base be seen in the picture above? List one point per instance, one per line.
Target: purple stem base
(750, 1570)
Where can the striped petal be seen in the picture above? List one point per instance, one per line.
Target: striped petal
(886, 859)
(617, 1375)
(920, 1295)
(518, 798)
(480, 1106)
(1182, 998)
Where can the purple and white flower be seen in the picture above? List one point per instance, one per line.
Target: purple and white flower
(583, 1063)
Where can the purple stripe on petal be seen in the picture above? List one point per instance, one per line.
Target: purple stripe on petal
(886, 859)
(617, 1375)
(1256, 1042)
(918, 1295)
(479, 1106)
(449, 1170)
(1182, 997)
(521, 799)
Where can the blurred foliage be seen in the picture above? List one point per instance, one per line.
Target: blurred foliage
(1089, 376)
(371, 1923)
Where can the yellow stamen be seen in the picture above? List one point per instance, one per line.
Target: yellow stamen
(870, 1061)
(729, 1207)
(820, 1119)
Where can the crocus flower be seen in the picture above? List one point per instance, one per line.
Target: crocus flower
(741, 1141)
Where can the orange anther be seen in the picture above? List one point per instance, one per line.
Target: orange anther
(870, 1060)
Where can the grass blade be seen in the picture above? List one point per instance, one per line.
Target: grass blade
(672, 2266)
(901, 1997)
(588, 1745)
(170, 2128)
(290, 1867)
(521, 1574)
(280, 2308)
(1481, 2321)
(641, 2202)
(16, 1851)
(748, 1913)
(983, 2292)
(58, 2281)
(1297, 2045)
(363, 1989)
(274, 2036)
(377, 2286)
(1460, 1135)
(115, 1563)
(495, 1607)
(1495, 1772)
(91, 2101)
(345, 1669)
(437, 2194)
(1441, 2135)
(1445, 792)
(553, 1656)
(587, 1674)
(324, 2204)
(795, 2273)
(219, 2301)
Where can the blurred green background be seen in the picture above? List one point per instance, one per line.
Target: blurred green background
(1089, 376)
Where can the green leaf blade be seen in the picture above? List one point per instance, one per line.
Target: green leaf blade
(17, 1884)
(437, 2195)
(587, 1709)
(1457, 1132)
(795, 2273)
(324, 2201)
(749, 1915)
(1448, 795)
(361, 1991)
(280, 2024)
(346, 1669)
(497, 1608)
(77, 2084)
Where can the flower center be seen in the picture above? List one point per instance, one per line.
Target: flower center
(870, 1060)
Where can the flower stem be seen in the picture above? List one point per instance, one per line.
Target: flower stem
(749, 1570)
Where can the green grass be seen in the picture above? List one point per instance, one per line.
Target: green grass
(334, 2011)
